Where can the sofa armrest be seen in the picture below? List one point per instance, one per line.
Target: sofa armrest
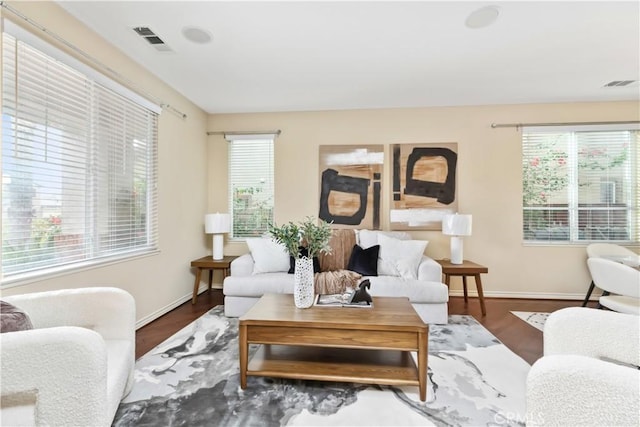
(429, 270)
(109, 311)
(579, 390)
(62, 370)
(242, 266)
(595, 333)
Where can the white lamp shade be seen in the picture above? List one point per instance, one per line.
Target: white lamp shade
(217, 223)
(456, 225)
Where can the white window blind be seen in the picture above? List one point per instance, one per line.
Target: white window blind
(250, 184)
(79, 167)
(581, 184)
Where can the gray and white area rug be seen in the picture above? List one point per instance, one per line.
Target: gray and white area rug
(193, 379)
(534, 318)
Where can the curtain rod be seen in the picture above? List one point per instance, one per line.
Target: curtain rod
(519, 125)
(94, 61)
(244, 132)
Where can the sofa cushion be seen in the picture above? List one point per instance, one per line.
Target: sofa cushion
(13, 319)
(368, 238)
(259, 284)
(418, 291)
(400, 257)
(268, 256)
(364, 261)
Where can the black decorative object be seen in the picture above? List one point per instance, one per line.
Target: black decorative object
(361, 295)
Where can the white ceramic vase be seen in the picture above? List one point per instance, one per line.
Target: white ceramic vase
(303, 289)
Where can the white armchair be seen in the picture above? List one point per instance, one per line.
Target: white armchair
(589, 373)
(620, 280)
(77, 363)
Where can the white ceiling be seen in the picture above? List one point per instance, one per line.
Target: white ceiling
(305, 56)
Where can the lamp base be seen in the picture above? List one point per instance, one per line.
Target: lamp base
(456, 250)
(218, 246)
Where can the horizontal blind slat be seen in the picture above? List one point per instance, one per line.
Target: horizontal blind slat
(581, 185)
(79, 167)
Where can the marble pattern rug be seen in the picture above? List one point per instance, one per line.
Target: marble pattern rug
(535, 319)
(192, 379)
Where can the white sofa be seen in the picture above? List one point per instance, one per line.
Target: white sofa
(77, 363)
(589, 373)
(428, 295)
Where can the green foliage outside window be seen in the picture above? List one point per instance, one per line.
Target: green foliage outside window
(252, 212)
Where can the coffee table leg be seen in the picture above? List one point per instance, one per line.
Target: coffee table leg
(423, 350)
(244, 353)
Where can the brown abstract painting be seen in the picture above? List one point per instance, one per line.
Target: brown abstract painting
(351, 185)
(424, 185)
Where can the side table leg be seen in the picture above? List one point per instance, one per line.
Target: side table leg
(480, 294)
(196, 285)
(464, 287)
(244, 354)
(210, 278)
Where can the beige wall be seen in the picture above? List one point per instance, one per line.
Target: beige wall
(160, 281)
(489, 179)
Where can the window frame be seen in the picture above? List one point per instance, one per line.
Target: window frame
(262, 138)
(108, 87)
(573, 207)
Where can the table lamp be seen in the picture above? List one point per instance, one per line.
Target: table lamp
(456, 226)
(217, 224)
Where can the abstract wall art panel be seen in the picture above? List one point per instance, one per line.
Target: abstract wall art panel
(424, 185)
(351, 185)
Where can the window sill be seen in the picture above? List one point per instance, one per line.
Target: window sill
(39, 276)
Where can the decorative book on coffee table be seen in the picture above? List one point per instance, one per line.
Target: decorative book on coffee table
(339, 300)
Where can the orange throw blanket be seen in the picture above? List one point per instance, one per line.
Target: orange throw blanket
(334, 277)
(336, 282)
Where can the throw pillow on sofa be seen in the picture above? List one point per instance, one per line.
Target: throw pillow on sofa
(364, 261)
(268, 256)
(400, 257)
(368, 238)
(13, 319)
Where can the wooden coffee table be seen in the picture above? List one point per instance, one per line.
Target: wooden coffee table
(363, 345)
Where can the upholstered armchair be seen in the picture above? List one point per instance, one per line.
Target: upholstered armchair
(589, 373)
(621, 281)
(609, 251)
(75, 365)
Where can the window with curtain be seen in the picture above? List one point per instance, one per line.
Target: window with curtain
(79, 163)
(580, 184)
(250, 184)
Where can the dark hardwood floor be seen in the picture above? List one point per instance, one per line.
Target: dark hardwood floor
(522, 339)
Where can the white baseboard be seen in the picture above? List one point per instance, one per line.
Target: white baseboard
(524, 295)
(167, 308)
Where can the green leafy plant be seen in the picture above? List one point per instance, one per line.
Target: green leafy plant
(309, 234)
(289, 235)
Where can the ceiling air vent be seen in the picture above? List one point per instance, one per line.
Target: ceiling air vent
(152, 38)
(619, 83)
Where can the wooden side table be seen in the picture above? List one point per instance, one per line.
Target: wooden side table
(467, 268)
(208, 263)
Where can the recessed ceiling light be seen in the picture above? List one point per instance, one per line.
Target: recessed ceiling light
(482, 17)
(197, 35)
